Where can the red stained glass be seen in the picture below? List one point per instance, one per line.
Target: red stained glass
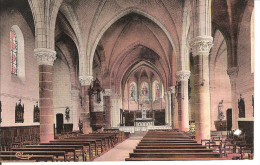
(13, 49)
(12, 35)
(13, 57)
(12, 45)
(13, 69)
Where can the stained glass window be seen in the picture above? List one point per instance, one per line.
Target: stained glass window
(13, 51)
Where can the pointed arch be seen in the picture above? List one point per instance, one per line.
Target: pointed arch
(91, 51)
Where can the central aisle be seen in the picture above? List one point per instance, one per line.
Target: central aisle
(122, 150)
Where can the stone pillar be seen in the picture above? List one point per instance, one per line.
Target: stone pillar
(76, 107)
(107, 106)
(45, 58)
(201, 46)
(166, 108)
(183, 77)
(174, 106)
(169, 108)
(232, 72)
(115, 118)
(85, 82)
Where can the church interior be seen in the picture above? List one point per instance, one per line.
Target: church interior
(158, 79)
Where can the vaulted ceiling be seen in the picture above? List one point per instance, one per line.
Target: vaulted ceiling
(128, 42)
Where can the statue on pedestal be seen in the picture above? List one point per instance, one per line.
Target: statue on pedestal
(143, 112)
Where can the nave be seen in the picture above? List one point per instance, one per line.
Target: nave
(75, 75)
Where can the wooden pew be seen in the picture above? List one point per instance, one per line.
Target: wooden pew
(83, 140)
(171, 147)
(169, 144)
(67, 143)
(173, 159)
(168, 139)
(171, 150)
(175, 155)
(105, 140)
(78, 148)
(174, 142)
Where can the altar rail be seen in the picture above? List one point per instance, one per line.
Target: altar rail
(133, 129)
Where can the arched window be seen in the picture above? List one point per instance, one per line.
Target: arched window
(14, 51)
(156, 90)
(133, 91)
(17, 52)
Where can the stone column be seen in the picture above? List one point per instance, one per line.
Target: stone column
(166, 107)
(169, 108)
(174, 107)
(76, 106)
(107, 106)
(201, 46)
(45, 58)
(232, 72)
(183, 77)
(85, 82)
(115, 118)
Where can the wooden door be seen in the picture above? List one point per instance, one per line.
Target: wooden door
(59, 122)
(229, 119)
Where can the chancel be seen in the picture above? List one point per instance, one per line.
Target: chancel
(126, 80)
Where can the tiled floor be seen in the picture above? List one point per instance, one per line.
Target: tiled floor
(122, 150)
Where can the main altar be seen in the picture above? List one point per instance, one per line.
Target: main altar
(144, 121)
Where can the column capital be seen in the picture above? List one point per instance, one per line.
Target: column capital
(75, 92)
(85, 80)
(172, 89)
(45, 56)
(183, 75)
(107, 92)
(232, 72)
(201, 45)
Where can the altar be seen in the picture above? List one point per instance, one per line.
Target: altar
(144, 122)
(140, 122)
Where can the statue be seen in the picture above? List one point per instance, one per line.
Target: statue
(80, 126)
(220, 112)
(98, 97)
(241, 107)
(67, 113)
